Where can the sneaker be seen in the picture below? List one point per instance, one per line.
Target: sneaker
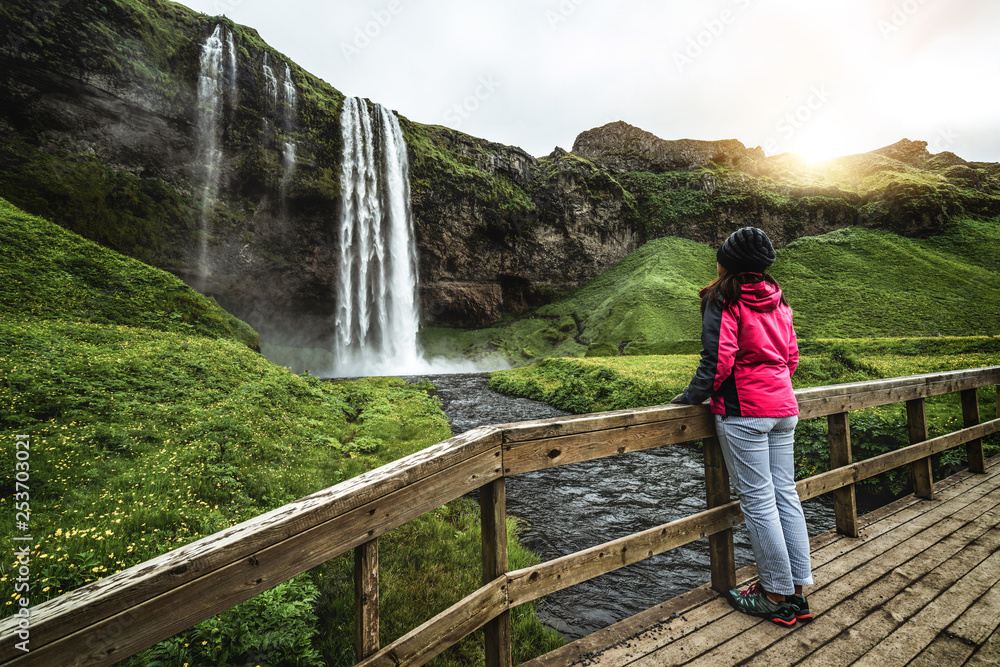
(802, 613)
(753, 601)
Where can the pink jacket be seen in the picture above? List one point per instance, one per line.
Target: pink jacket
(749, 355)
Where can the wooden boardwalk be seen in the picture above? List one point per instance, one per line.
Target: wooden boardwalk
(920, 586)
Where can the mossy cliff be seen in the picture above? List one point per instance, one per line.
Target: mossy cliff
(703, 190)
(99, 118)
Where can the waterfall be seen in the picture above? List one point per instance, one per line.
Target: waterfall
(375, 328)
(233, 73)
(270, 81)
(210, 96)
(288, 116)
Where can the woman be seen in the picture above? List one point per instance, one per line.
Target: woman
(749, 355)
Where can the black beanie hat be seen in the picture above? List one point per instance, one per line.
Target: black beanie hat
(746, 249)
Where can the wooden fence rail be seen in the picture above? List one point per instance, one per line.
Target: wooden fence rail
(109, 620)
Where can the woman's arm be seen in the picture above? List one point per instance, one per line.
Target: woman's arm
(718, 353)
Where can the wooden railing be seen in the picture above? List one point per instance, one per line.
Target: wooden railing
(109, 620)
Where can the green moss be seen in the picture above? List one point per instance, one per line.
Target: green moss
(53, 274)
(438, 171)
(860, 282)
(602, 350)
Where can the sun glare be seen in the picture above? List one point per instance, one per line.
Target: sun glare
(824, 139)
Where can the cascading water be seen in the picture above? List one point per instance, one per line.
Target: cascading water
(270, 81)
(233, 72)
(288, 116)
(375, 330)
(210, 100)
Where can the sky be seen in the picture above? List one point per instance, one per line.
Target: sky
(817, 78)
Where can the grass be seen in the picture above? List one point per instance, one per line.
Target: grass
(49, 273)
(850, 283)
(153, 423)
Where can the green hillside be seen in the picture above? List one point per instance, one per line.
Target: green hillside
(49, 273)
(153, 423)
(850, 283)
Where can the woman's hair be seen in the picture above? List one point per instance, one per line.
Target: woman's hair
(729, 286)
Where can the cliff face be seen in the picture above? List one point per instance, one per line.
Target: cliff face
(500, 231)
(100, 113)
(704, 190)
(623, 148)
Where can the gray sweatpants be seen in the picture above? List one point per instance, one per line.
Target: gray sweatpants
(759, 455)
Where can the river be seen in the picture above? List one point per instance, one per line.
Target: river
(576, 506)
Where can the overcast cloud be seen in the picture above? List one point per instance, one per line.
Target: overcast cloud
(816, 78)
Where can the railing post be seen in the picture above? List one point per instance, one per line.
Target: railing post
(720, 545)
(366, 640)
(970, 417)
(923, 476)
(844, 501)
(493, 512)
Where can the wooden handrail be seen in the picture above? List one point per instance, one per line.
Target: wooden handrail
(108, 620)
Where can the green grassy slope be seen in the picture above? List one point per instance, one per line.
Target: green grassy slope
(858, 282)
(153, 423)
(49, 273)
(850, 283)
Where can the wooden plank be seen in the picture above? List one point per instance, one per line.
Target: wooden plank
(427, 641)
(860, 593)
(958, 641)
(987, 655)
(521, 457)
(722, 556)
(493, 510)
(845, 503)
(79, 608)
(534, 582)
(813, 402)
(605, 645)
(970, 417)
(840, 573)
(922, 598)
(833, 479)
(156, 618)
(660, 626)
(944, 650)
(858, 585)
(366, 627)
(597, 421)
(923, 476)
(830, 399)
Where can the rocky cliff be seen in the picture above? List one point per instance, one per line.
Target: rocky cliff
(100, 113)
